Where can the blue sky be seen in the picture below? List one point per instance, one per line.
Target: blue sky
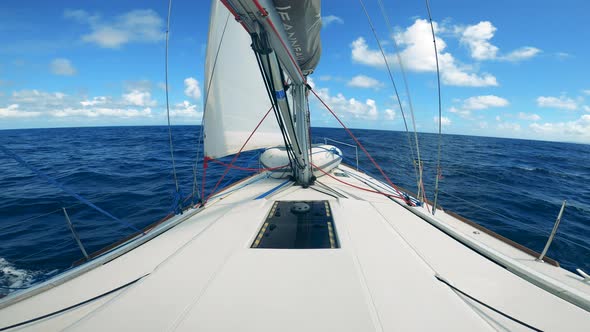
(509, 68)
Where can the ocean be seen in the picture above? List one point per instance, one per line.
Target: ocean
(513, 187)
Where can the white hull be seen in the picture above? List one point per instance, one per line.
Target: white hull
(202, 274)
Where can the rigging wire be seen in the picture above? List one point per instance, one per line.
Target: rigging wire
(94, 199)
(196, 165)
(68, 240)
(419, 175)
(357, 142)
(439, 148)
(200, 142)
(168, 103)
(406, 85)
(260, 50)
(248, 169)
(355, 186)
(236, 155)
(59, 185)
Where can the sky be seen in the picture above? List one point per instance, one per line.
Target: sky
(508, 68)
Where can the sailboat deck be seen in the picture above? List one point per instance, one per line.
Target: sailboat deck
(203, 274)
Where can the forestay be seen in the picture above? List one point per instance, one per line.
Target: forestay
(235, 95)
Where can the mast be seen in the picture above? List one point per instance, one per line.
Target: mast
(296, 143)
(302, 125)
(266, 22)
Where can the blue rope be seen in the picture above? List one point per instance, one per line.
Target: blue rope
(62, 187)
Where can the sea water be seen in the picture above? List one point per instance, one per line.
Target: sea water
(513, 187)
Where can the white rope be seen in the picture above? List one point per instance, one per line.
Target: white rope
(167, 100)
(419, 175)
(438, 170)
(407, 88)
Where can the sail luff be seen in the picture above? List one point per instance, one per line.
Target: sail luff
(280, 28)
(235, 94)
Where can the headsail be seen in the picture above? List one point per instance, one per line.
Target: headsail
(302, 22)
(235, 94)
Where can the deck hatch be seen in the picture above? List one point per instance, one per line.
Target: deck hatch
(298, 225)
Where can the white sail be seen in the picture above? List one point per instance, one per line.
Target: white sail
(235, 95)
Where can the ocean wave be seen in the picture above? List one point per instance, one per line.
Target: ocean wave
(13, 278)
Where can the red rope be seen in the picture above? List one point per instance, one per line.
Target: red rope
(248, 168)
(359, 143)
(261, 9)
(233, 159)
(355, 186)
(235, 14)
(205, 165)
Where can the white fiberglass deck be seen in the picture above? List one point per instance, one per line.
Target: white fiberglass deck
(203, 275)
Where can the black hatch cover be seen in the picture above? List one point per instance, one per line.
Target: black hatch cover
(298, 225)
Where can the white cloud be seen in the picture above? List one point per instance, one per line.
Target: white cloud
(185, 110)
(444, 121)
(102, 111)
(578, 130)
(139, 26)
(192, 88)
(95, 101)
(508, 126)
(134, 104)
(477, 38)
(418, 56)
(389, 114)
(522, 53)
(328, 20)
(562, 102)
(38, 97)
(362, 81)
(586, 92)
(13, 111)
(483, 102)
(478, 103)
(562, 55)
(457, 77)
(62, 67)
(139, 98)
(529, 116)
(586, 108)
(461, 112)
(349, 107)
(363, 55)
